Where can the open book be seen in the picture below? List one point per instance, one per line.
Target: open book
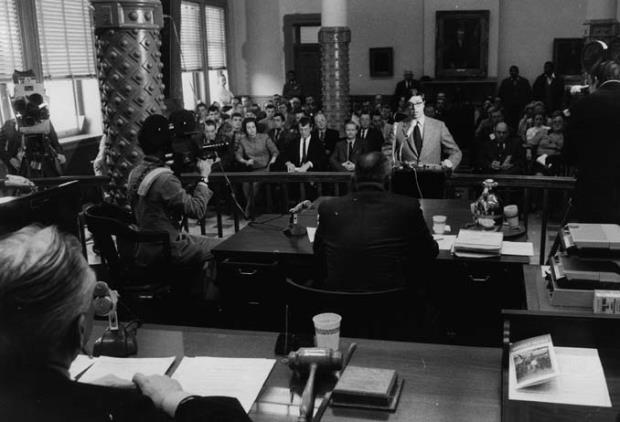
(534, 361)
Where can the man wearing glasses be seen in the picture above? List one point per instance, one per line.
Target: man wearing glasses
(423, 141)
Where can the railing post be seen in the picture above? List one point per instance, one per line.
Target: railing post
(543, 228)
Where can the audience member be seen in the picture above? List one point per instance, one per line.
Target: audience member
(383, 127)
(526, 121)
(348, 149)
(372, 137)
(371, 239)
(592, 145)
(483, 135)
(277, 134)
(534, 134)
(423, 140)
(501, 153)
(549, 152)
(267, 123)
(327, 136)
(291, 88)
(515, 93)
(222, 94)
(549, 88)
(306, 152)
(46, 319)
(406, 88)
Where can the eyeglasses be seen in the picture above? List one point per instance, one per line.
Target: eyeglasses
(416, 104)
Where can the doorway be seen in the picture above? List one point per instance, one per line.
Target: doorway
(303, 51)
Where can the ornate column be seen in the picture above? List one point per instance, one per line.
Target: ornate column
(130, 80)
(334, 38)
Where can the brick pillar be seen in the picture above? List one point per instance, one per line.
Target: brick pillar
(335, 74)
(130, 81)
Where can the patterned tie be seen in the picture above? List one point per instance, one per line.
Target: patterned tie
(417, 138)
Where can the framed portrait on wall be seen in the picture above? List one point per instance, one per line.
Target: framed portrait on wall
(461, 44)
(381, 62)
(567, 56)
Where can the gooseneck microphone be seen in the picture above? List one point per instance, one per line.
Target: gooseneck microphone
(303, 205)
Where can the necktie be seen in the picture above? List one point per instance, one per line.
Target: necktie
(322, 136)
(350, 151)
(277, 134)
(304, 155)
(364, 133)
(417, 138)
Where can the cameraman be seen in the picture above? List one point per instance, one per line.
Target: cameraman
(159, 201)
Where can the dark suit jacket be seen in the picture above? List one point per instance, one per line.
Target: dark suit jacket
(329, 140)
(49, 396)
(372, 240)
(497, 152)
(555, 100)
(340, 153)
(316, 154)
(374, 139)
(592, 145)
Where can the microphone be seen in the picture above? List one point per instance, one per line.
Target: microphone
(301, 206)
(104, 299)
(116, 340)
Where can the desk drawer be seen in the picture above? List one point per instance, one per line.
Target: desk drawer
(242, 281)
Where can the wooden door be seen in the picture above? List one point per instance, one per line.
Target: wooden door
(308, 69)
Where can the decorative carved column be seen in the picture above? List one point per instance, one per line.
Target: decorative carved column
(334, 38)
(130, 80)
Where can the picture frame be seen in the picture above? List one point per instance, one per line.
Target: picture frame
(381, 61)
(567, 56)
(461, 44)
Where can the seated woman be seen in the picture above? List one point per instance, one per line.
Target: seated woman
(549, 152)
(533, 136)
(257, 152)
(46, 316)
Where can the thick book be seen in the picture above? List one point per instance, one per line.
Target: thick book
(371, 388)
(479, 241)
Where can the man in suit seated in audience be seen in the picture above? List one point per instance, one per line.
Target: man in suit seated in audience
(306, 152)
(501, 153)
(277, 134)
(347, 150)
(328, 136)
(371, 136)
(421, 140)
(483, 137)
(406, 87)
(386, 130)
(372, 239)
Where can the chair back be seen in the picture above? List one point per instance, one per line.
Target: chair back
(118, 238)
(372, 314)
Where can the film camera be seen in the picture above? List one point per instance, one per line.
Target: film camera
(190, 144)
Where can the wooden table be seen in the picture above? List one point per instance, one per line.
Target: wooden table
(442, 383)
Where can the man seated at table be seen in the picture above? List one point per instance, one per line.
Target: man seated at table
(372, 239)
(46, 317)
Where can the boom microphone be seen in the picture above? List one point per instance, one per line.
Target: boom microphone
(301, 206)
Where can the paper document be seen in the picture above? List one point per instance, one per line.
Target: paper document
(445, 241)
(126, 368)
(231, 377)
(581, 381)
(80, 364)
(311, 233)
(518, 248)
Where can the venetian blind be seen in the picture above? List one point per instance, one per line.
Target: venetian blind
(65, 38)
(216, 37)
(11, 54)
(191, 37)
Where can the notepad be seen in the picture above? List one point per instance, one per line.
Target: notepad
(80, 364)
(231, 377)
(517, 248)
(126, 368)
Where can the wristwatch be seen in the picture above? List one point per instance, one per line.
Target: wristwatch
(204, 180)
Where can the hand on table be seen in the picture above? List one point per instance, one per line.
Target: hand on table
(165, 392)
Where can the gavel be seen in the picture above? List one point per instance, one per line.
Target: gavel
(313, 358)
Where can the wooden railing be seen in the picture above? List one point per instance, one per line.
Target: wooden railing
(278, 186)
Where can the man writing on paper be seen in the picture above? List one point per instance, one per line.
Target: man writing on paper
(371, 239)
(421, 140)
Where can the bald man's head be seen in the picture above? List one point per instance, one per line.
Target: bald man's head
(372, 167)
(501, 132)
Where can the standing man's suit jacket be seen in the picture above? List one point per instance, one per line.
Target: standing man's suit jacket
(436, 140)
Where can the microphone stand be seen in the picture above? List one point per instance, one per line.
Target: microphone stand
(294, 228)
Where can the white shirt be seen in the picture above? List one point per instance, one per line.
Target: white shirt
(419, 122)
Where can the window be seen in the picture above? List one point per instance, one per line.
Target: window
(203, 29)
(11, 54)
(192, 55)
(215, 19)
(68, 61)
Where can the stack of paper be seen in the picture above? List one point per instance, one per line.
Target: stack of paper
(125, 368)
(231, 377)
(489, 243)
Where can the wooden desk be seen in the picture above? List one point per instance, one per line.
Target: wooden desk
(264, 237)
(442, 383)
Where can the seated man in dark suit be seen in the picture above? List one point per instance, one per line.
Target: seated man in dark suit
(305, 153)
(371, 136)
(501, 152)
(371, 239)
(348, 149)
(328, 136)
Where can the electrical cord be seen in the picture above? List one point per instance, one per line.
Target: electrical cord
(415, 176)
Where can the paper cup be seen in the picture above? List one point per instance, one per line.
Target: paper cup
(327, 330)
(511, 213)
(439, 224)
